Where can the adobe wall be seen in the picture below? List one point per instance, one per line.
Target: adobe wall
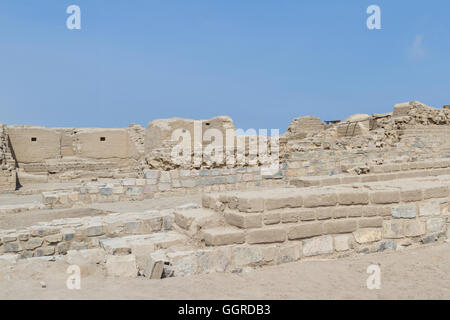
(72, 152)
(7, 163)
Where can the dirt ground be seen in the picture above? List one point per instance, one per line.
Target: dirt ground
(420, 273)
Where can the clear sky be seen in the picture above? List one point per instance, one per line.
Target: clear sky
(262, 62)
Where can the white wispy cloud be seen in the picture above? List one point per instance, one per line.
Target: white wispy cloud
(417, 51)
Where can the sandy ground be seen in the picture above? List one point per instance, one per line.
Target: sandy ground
(420, 273)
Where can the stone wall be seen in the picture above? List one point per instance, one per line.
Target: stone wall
(7, 163)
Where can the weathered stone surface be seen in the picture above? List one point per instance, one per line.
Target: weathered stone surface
(406, 212)
(289, 253)
(367, 235)
(414, 228)
(305, 230)
(244, 220)
(318, 246)
(436, 192)
(33, 243)
(223, 236)
(325, 199)
(244, 256)
(430, 209)
(266, 235)
(393, 229)
(373, 222)
(435, 224)
(384, 197)
(45, 251)
(251, 204)
(340, 226)
(353, 197)
(183, 263)
(155, 265)
(342, 243)
(216, 260)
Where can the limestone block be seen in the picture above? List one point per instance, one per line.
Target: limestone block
(414, 228)
(405, 211)
(435, 225)
(183, 263)
(430, 209)
(318, 246)
(155, 265)
(342, 243)
(223, 236)
(367, 235)
(393, 229)
(245, 256)
(244, 220)
(214, 260)
(289, 253)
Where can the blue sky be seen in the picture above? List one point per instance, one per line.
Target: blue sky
(262, 62)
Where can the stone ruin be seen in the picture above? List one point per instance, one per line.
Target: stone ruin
(367, 184)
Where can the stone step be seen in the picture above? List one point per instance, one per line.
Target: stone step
(195, 219)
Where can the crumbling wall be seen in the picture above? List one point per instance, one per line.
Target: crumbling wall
(7, 163)
(301, 127)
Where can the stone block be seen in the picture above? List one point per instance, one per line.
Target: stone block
(266, 235)
(435, 225)
(430, 209)
(318, 246)
(384, 197)
(245, 256)
(372, 222)
(436, 192)
(223, 236)
(340, 226)
(353, 197)
(215, 260)
(414, 228)
(305, 230)
(244, 220)
(368, 235)
(325, 199)
(342, 243)
(155, 265)
(183, 263)
(289, 253)
(404, 212)
(411, 195)
(251, 204)
(393, 229)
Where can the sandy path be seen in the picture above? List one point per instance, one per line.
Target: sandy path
(421, 273)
